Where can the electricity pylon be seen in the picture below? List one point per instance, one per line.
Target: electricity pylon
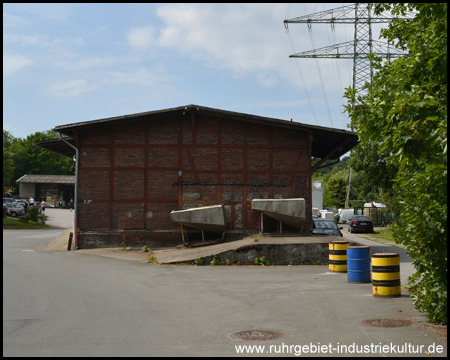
(362, 45)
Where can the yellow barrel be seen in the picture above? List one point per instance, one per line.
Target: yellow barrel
(337, 255)
(386, 275)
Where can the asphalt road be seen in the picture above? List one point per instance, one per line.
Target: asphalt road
(64, 303)
(406, 267)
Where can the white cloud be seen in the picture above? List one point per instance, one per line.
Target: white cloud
(10, 20)
(248, 39)
(141, 37)
(42, 40)
(48, 11)
(26, 40)
(267, 80)
(229, 36)
(76, 62)
(69, 88)
(154, 78)
(14, 62)
(142, 76)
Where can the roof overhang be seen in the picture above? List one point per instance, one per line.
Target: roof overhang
(57, 146)
(326, 142)
(47, 179)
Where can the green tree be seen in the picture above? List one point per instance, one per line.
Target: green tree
(29, 159)
(405, 115)
(8, 158)
(8, 139)
(8, 167)
(334, 188)
(373, 174)
(365, 187)
(327, 168)
(40, 161)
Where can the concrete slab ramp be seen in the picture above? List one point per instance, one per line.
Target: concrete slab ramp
(207, 218)
(288, 211)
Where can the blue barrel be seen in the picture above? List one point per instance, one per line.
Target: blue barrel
(358, 264)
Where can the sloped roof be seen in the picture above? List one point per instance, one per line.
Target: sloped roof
(47, 179)
(325, 140)
(57, 146)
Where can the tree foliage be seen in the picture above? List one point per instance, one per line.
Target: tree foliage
(8, 167)
(404, 118)
(365, 187)
(334, 188)
(29, 159)
(8, 159)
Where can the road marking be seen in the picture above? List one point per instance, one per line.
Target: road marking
(27, 250)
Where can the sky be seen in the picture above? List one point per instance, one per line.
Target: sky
(68, 63)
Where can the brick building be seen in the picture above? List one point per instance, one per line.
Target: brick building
(134, 170)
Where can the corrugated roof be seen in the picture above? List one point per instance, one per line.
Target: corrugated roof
(325, 140)
(47, 179)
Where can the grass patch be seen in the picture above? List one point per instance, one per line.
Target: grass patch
(384, 236)
(14, 224)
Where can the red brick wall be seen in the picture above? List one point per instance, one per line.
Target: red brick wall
(129, 175)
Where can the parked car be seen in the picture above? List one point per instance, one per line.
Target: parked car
(326, 227)
(14, 209)
(21, 202)
(8, 200)
(360, 223)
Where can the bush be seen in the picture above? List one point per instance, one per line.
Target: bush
(34, 216)
(405, 114)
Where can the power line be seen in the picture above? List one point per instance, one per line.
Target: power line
(297, 62)
(362, 45)
(324, 93)
(337, 74)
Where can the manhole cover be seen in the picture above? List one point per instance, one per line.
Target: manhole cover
(256, 335)
(387, 323)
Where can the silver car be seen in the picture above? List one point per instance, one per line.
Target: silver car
(14, 209)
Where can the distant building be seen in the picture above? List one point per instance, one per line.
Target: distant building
(52, 188)
(317, 195)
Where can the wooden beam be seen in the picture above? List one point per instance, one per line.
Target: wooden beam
(295, 171)
(111, 179)
(333, 152)
(197, 179)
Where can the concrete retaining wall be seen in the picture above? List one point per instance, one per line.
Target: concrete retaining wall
(276, 254)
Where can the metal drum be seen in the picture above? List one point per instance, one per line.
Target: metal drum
(337, 255)
(386, 275)
(358, 264)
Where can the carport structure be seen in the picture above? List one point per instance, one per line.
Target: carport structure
(58, 188)
(133, 170)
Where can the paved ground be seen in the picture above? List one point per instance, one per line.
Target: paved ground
(64, 303)
(63, 219)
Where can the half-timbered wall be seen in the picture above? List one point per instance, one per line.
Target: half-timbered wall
(133, 174)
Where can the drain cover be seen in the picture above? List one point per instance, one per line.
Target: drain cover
(387, 323)
(256, 335)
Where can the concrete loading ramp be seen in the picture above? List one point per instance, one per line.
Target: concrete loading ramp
(288, 211)
(306, 250)
(209, 219)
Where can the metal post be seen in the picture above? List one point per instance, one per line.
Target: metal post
(75, 202)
